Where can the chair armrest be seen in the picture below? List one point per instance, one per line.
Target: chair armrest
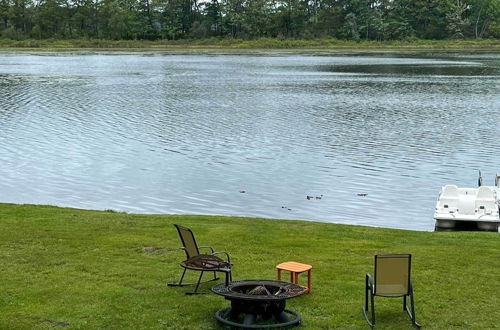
(206, 247)
(223, 252)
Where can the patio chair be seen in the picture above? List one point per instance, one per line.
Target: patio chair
(200, 262)
(392, 280)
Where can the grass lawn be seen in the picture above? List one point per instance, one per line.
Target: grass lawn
(63, 267)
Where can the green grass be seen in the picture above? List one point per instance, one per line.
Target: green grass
(262, 43)
(71, 268)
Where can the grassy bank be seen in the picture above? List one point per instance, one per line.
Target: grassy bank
(263, 43)
(74, 268)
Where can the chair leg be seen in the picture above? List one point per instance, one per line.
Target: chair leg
(373, 308)
(366, 297)
(180, 282)
(411, 310)
(229, 277)
(197, 286)
(370, 319)
(369, 295)
(197, 283)
(413, 319)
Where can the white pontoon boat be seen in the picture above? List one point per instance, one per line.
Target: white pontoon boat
(474, 205)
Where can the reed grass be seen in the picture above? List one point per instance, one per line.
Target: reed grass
(262, 43)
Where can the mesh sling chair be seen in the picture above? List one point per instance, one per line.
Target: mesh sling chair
(392, 280)
(200, 262)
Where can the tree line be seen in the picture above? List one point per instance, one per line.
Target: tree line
(249, 19)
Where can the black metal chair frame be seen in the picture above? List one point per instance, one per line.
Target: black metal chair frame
(371, 293)
(186, 266)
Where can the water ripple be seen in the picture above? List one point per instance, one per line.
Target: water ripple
(188, 134)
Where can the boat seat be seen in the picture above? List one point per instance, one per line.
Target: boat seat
(449, 198)
(450, 191)
(485, 200)
(448, 203)
(485, 193)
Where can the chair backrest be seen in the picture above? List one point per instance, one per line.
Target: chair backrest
(188, 241)
(392, 274)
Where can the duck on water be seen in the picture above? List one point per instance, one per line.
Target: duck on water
(478, 207)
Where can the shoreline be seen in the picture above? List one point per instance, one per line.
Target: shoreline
(246, 46)
(113, 211)
(240, 52)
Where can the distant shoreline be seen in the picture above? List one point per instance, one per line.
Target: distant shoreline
(232, 45)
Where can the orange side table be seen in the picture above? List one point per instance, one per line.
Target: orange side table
(295, 268)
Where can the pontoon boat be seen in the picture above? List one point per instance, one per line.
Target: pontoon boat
(474, 205)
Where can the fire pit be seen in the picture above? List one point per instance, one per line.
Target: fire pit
(258, 303)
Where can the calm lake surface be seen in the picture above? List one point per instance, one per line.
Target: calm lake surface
(249, 135)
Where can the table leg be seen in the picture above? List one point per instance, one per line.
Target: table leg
(308, 281)
(279, 274)
(291, 277)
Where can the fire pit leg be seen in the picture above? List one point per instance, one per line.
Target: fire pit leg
(249, 319)
(224, 316)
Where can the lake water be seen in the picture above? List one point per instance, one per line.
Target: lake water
(374, 135)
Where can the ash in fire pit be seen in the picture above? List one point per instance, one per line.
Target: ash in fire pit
(258, 303)
(259, 290)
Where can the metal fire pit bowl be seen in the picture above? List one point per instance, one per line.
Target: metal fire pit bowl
(257, 304)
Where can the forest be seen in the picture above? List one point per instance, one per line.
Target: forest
(250, 19)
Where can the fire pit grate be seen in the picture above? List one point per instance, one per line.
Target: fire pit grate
(258, 303)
